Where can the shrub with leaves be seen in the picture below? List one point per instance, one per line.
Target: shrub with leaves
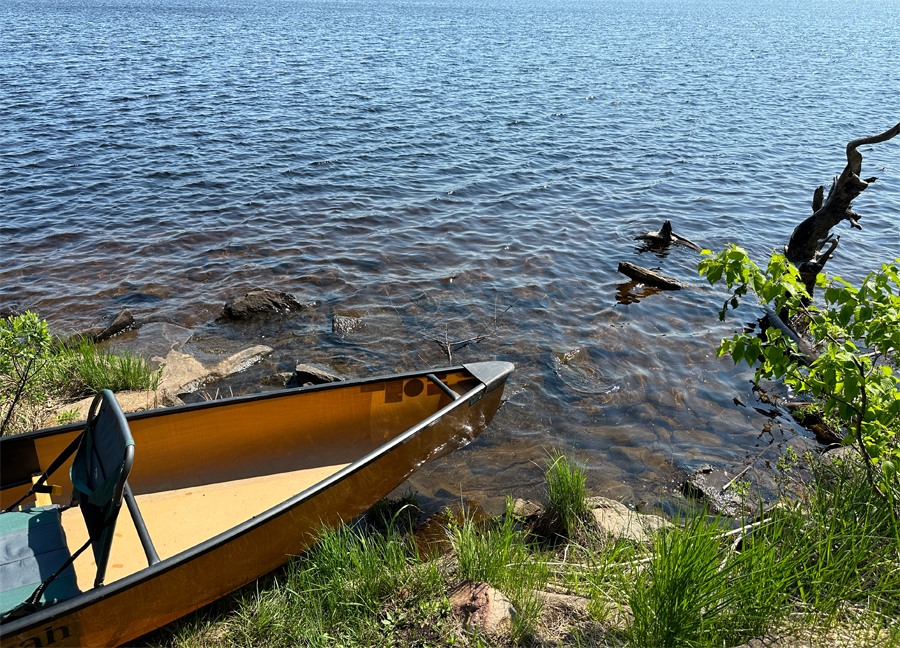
(36, 369)
(856, 332)
(25, 350)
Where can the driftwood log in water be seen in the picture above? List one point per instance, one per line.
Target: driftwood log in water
(648, 276)
(805, 248)
(665, 236)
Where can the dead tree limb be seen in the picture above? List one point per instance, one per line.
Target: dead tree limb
(665, 236)
(648, 277)
(809, 237)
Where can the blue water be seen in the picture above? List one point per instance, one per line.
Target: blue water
(427, 165)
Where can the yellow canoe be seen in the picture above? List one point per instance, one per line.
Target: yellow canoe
(220, 493)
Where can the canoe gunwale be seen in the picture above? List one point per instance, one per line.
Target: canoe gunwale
(231, 400)
(42, 617)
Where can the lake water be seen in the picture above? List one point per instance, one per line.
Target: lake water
(438, 167)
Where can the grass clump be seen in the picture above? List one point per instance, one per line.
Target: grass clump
(852, 538)
(500, 554)
(400, 514)
(36, 369)
(566, 508)
(695, 591)
(84, 369)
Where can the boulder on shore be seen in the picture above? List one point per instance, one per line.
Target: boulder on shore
(618, 521)
(184, 373)
(482, 608)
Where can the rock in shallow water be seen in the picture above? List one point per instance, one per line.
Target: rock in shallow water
(310, 374)
(121, 322)
(258, 303)
(707, 484)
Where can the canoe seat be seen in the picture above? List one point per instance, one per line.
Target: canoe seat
(35, 558)
(99, 473)
(32, 548)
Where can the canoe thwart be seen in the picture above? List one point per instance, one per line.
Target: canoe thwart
(440, 385)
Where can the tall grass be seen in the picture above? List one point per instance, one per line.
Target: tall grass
(83, 369)
(840, 548)
(500, 554)
(565, 508)
(37, 370)
(336, 593)
(853, 538)
(696, 591)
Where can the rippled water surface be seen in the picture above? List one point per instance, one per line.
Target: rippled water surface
(443, 169)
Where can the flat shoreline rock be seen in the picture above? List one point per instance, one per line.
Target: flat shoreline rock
(617, 520)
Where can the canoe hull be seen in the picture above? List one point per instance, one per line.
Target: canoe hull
(154, 596)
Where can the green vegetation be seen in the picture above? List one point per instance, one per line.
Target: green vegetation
(398, 514)
(825, 566)
(37, 370)
(856, 333)
(350, 589)
(828, 559)
(500, 554)
(566, 509)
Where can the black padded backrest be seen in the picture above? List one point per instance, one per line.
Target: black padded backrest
(99, 471)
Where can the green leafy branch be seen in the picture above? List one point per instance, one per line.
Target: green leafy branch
(25, 343)
(856, 334)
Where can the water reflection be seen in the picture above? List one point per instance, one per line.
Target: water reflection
(634, 291)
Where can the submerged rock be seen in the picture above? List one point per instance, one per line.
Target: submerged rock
(344, 324)
(280, 379)
(9, 311)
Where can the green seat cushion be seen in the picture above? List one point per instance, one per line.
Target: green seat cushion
(32, 547)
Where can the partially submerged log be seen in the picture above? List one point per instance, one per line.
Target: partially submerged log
(665, 236)
(648, 276)
(805, 248)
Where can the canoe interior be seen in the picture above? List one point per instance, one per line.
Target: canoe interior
(199, 472)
